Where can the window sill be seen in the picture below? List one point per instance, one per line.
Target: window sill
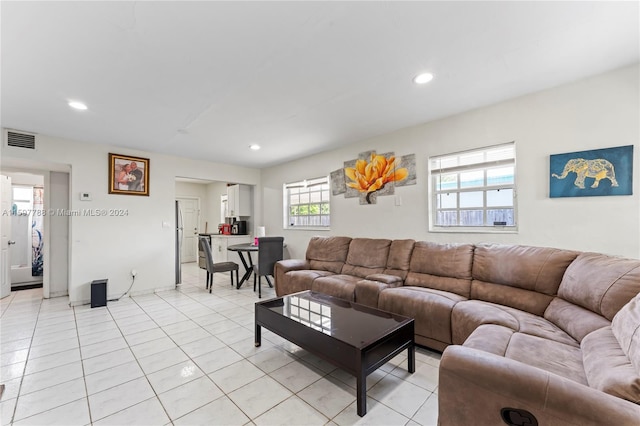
(474, 230)
(307, 228)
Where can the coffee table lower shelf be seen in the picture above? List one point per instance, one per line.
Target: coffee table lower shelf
(357, 361)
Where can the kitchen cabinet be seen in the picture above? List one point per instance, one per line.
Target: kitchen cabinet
(219, 246)
(238, 200)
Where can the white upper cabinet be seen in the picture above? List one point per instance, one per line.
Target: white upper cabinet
(238, 200)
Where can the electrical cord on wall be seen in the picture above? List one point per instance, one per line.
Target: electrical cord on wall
(133, 279)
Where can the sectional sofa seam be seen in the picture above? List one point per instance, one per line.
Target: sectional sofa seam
(611, 285)
(546, 260)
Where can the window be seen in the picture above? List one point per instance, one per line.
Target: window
(307, 204)
(474, 190)
(23, 199)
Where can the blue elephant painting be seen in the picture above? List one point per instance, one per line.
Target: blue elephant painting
(597, 172)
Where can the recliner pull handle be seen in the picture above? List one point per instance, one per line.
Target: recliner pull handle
(517, 417)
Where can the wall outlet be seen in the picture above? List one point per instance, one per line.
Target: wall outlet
(134, 273)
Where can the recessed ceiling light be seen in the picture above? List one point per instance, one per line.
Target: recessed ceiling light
(423, 78)
(254, 147)
(77, 105)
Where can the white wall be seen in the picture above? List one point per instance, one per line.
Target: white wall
(598, 112)
(109, 247)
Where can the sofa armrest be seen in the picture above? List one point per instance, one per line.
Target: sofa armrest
(385, 278)
(287, 265)
(474, 387)
(282, 267)
(368, 290)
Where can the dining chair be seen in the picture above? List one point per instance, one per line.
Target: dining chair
(270, 250)
(212, 267)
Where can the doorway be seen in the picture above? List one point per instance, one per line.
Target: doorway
(37, 243)
(27, 231)
(190, 207)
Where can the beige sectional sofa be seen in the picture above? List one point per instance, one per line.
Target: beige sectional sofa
(522, 328)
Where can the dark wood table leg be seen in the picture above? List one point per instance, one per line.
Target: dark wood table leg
(411, 358)
(361, 393)
(258, 335)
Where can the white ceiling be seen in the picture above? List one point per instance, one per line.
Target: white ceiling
(207, 79)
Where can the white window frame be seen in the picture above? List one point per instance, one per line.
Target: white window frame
(308, 186)
(454, 163)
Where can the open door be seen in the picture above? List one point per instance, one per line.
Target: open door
(5, 231)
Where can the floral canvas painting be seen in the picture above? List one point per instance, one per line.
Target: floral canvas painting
(372, 175)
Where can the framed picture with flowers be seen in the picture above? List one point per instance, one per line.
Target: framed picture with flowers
(128, 175)
(372, 175)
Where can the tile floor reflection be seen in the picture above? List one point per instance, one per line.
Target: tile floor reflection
(185, 357)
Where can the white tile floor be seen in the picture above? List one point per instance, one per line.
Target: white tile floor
(185, 357)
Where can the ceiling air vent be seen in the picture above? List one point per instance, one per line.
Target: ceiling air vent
(21, 140)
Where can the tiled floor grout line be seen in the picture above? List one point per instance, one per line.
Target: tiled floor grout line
(325, 375)
(243, 359)
(224, 394)
(299, 359)
(189, 304)
(24, 368)
(138, 362)
(84, 375)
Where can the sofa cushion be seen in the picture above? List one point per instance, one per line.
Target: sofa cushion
(368, 291)
(575, 320)
(441, 266)
(341, 286)
(603, 284)
(366, 256)
(469, 315)
(399, 258)
(430, 308)
(538, 269)
(549, 355)
(328, 253)
(607, 367)
(523, 277)
(525, 300)
(298, 281)
(626, 329)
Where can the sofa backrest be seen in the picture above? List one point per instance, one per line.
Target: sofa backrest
(441, 267)
(328, 253)
(366, 256)
(593, 289)
(399, 259)
(600, 283)
(523, 277)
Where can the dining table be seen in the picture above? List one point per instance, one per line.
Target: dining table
(242, 249)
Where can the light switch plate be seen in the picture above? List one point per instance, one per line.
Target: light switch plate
(85, 196)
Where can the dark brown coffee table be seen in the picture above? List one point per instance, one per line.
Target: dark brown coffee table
(354, 337)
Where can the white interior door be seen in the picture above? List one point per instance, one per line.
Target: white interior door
(5, 231)
(190, 220)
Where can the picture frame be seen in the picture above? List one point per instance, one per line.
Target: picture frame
(128, 175)
(592, 173)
